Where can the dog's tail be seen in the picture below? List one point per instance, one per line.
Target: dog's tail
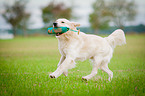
(116, 38)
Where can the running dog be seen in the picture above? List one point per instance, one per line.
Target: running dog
(75, 46)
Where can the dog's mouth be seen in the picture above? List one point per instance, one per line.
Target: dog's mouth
(58, 34)
(55, 25)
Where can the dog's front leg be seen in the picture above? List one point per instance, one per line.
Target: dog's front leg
(60, 62)
(62, 67)
(96, 64)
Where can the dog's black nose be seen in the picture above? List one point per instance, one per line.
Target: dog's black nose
(55, 24)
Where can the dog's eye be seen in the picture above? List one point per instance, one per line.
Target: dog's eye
(62, 22)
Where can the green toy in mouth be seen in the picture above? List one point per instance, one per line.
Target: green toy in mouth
(59, 30)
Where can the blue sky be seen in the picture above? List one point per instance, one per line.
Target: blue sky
(82, 9)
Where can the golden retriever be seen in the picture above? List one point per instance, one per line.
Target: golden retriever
(74, 46)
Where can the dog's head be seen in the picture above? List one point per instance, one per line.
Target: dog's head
(65, 23)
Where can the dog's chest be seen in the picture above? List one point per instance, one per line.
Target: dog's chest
(64, 47)
(69, 47)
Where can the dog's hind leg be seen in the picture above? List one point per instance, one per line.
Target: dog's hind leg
(107, 70)
(96, 64)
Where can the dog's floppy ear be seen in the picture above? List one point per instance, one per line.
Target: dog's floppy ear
(76, 24)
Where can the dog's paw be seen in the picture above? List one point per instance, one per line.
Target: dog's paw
(84, 79)
(51, 76)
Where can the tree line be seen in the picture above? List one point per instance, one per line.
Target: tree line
(117, 12)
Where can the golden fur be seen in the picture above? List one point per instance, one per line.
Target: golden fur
(74, 46)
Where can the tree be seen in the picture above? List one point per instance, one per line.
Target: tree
(117, 11)
(15, 15)
(123, 11)
(24, 23)
(53, 11)
(100, 17)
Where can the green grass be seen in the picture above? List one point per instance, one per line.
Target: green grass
(25, 64)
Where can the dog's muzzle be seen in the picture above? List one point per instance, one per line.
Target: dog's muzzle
(55, 24)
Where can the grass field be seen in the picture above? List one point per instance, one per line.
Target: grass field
(25, 64)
